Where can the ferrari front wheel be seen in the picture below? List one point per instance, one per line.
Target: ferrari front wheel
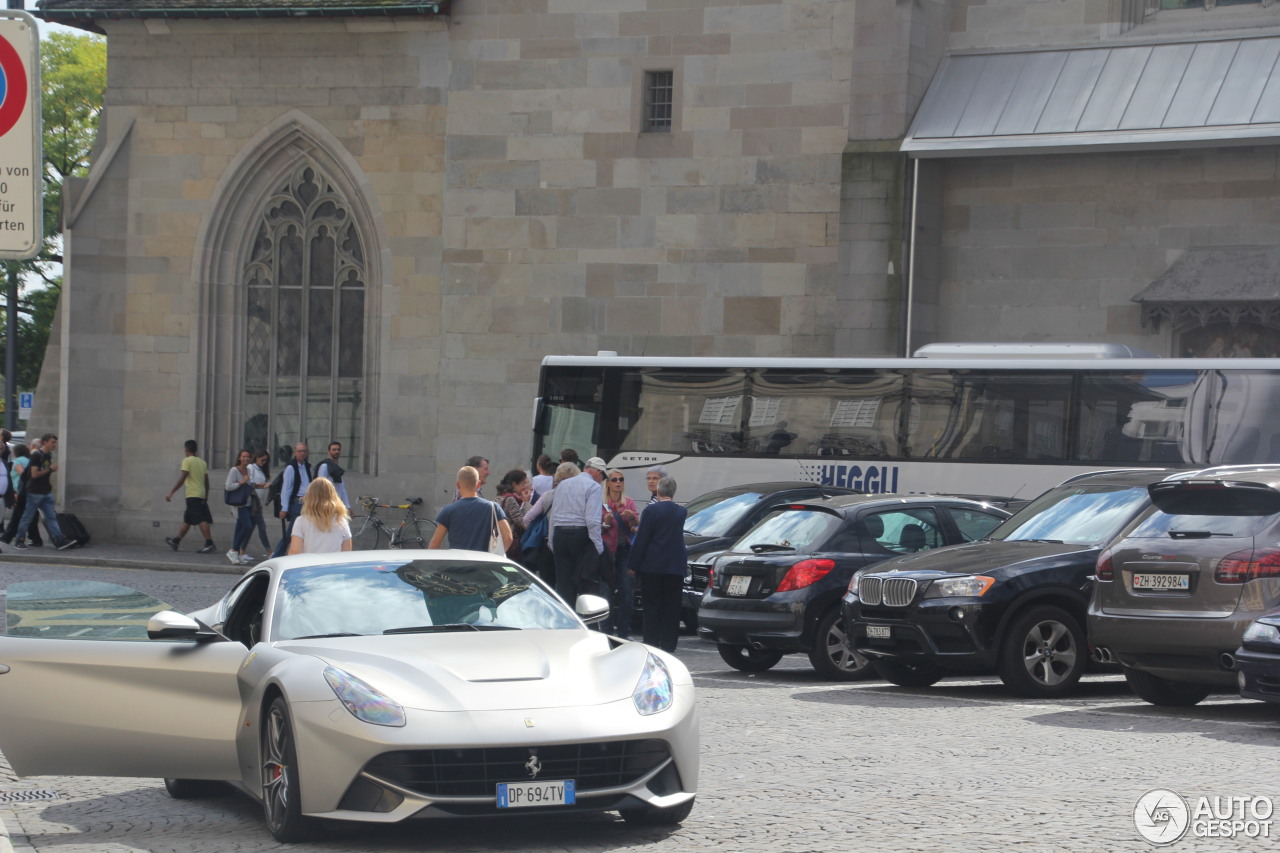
(281, 794)
(659, 817)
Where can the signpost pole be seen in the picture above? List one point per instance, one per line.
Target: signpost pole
(21, 171)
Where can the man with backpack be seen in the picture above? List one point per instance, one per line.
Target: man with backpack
(294, 480)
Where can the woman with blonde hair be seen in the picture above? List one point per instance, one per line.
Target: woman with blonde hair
(617, 529)
(542, 561)
(322, 527)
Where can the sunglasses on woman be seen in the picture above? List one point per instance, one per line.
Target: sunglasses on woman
(615, 480)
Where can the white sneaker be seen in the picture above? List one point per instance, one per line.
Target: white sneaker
(245, 559)
(233, 557)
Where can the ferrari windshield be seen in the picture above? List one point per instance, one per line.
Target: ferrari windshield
(358, 599)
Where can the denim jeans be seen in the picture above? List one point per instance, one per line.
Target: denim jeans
(45, 506)
(244, 528)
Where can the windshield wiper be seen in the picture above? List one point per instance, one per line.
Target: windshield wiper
(448, 626)
(1049, 541)
(767, 546)
(337, 634)
(1194, 534)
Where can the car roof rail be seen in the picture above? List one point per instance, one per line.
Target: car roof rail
(1105, 471)
(1225, 470)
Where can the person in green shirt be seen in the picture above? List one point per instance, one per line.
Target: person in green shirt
(195, 478)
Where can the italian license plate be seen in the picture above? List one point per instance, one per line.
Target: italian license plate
(739, 584)
(877, 632)
(518, 795)
(1161, 582)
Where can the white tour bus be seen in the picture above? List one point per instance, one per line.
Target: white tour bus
(994, 420)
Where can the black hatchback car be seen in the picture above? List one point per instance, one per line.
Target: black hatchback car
(717, 518)
(777, 589)
(1014, 603)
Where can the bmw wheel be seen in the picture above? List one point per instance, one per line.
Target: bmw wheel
(281, 795)
(747, 659)
(1162, 691)
(922, 674)
(831, 654)
(1043, 654)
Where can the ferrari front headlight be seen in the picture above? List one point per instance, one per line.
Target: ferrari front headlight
(654, 691)
(364, 702)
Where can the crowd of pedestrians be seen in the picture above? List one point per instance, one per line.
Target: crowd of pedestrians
(572, 523)
(26, 486)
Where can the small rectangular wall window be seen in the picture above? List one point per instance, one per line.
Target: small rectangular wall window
(658, 103)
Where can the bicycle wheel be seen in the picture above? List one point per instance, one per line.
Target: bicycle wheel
(410, 535)
(366, 533)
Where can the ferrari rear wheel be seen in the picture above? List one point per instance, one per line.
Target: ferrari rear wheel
(659, 817)
(281, 794)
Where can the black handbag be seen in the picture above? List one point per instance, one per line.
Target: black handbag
(239, 496)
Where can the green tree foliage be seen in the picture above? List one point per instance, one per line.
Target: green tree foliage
(73, 76)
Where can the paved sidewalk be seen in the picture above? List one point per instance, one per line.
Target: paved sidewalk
(159, 557)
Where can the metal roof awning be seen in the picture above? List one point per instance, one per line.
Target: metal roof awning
(1208, 283)
(1223, 92)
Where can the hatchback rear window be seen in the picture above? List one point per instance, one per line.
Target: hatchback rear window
(1162, 525)
(1075, 514)
(801, 529)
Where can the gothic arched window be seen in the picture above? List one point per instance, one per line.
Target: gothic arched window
(304, 347)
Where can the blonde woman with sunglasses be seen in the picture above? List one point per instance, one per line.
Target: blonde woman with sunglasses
(617, 528)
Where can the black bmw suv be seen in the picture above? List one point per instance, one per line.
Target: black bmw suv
(777, 589)
(1014, 603)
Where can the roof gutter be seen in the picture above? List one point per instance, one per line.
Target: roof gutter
(65, 15)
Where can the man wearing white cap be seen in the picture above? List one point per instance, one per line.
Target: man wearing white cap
(575, 532)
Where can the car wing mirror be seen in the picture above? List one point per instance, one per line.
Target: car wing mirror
(168, 625)
(592, 608)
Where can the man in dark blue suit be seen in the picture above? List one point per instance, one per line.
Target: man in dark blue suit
(661, 559)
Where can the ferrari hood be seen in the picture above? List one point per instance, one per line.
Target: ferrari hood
(488, 670)
(980, 557)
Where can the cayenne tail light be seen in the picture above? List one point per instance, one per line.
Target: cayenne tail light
(805, 573)
(1105, 570)
(1245, 566)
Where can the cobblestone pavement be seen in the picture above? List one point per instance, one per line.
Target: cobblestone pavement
(792, 764)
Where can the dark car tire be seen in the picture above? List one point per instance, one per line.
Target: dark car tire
(658, 817)
(922, 674)
(747, 659)
(195, 789)
(281, 793)
(1043, 654)
(1162, 691)
(831, 656)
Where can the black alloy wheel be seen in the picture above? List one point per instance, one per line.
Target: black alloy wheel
(922, 674)
(281, 794)
(832, 656)
(1162, 691)
(747, 659)
(1044, 653)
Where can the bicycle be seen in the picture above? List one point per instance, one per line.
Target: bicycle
(370, 531)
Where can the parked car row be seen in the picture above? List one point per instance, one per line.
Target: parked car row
(1171, 576)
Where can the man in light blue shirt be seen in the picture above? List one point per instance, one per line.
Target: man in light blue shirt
(575, 531)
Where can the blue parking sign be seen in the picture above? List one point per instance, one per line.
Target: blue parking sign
(26, 399)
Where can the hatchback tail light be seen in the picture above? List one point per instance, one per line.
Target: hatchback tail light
(805, 573)
(1105, 570)
(1245, 566)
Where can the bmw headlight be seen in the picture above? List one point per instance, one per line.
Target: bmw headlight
(363, 701)
(654, 691)
(1261, 632)
(971, 586)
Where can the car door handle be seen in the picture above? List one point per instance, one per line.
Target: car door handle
(3, 669)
